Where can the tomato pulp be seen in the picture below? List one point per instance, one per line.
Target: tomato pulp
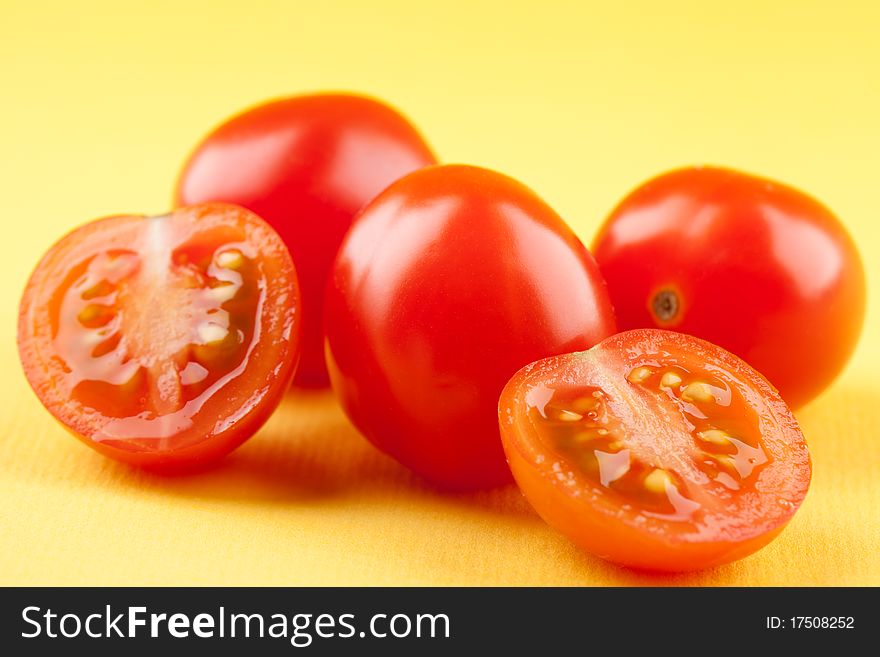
(752, 265)
(306, 165)
(163, 341)
(448, 282)
(656, 450)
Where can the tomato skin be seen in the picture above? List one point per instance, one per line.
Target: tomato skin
(595, 520)
(757, 267)
(605, 536)
(207, 425)
(450, 280)
(305, 164)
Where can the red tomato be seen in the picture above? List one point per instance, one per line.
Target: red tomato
(754, 266)
(306, 165)
(163, 341)
(656, 450)
(448, 282)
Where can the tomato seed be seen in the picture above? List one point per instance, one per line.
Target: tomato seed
(714, 436)
(698, 391)
(639, 374)
(223, 292)
(657, 480)
(670, 380)
(230, 259)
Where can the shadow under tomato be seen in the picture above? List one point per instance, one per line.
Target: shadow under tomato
(308, 453)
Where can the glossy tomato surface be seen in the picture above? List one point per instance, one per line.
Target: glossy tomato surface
(450, 281)
(752, 265)
(656, 450)
(306, 165)
(163, 341)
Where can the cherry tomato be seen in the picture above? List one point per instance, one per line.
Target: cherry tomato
(752, 265)
(306, 165)
(656, 450)
(163, 341)
(448, 282)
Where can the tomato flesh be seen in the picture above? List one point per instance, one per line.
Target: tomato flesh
(163, 340)
(656, 450)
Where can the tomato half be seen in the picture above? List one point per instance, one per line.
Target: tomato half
(656, 450)
(306, 165)
(163, 341)
(448, 282)
(752, 265)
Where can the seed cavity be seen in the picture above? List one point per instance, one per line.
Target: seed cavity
(657, 481)
(95, 316)
(100, 289)
(715, 436)
(639, 374)
(670, 380)
(583, 437)
(570, 416)
(585, 405)
(698, 392)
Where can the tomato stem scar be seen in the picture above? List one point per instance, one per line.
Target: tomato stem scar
(665, 305)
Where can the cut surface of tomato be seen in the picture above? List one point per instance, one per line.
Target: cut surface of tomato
(163, 341)
(655, 450)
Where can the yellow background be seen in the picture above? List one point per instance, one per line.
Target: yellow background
(101, 101)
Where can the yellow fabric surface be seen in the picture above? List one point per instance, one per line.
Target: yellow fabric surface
(101, 101)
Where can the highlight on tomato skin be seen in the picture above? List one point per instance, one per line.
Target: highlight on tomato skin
(448, 282)
(750, 264)
(655, 450)
(306, 164)
(163, 341)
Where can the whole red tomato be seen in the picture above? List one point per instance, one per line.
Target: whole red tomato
(306, 165)
(752, 265)
(448, 282)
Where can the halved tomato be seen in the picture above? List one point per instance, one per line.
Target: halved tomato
(163, 341)
(656, 450)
